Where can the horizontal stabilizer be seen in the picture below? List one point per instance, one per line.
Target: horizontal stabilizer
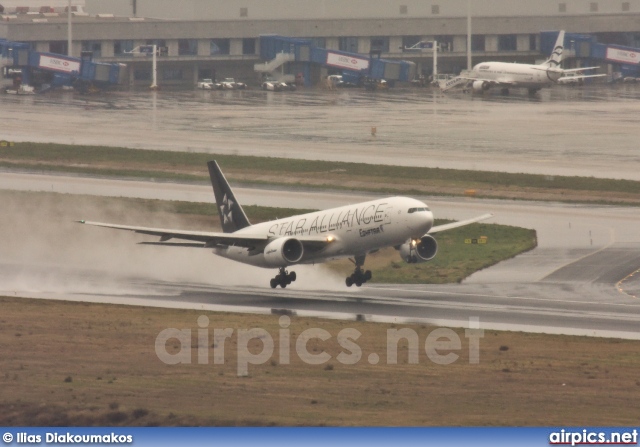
(575, 78)
(573, 70)
(175, 244)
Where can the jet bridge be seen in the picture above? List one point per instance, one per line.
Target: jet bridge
(49, 70)
(302, 54)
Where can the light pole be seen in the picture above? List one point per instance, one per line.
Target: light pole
(69, 40)
(144, 49)
(435, 59)
(154, 82)
(469, 35)
(425, 45)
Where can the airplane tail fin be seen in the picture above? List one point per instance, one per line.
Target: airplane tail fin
(232, 216)
(556, 55)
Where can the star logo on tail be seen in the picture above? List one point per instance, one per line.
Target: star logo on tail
(226, 210)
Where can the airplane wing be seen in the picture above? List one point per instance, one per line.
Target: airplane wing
(462, 223)
(206, 239)
(504, 83)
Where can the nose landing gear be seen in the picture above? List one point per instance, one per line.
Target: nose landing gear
(283, 279)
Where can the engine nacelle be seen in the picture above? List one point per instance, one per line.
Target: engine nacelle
(283, 251)
(480, 86)
(419, 250)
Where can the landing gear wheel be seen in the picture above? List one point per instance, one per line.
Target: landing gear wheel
(358, 277)
(283, 279)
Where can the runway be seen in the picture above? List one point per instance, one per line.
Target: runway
(570, 284)
(548, 307)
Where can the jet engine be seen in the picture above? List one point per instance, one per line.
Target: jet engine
(419, 250)
(480, 86)
(283, 251)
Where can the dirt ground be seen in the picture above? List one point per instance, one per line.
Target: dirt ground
(76, 364)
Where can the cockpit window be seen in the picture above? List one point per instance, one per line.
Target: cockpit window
(417, 210)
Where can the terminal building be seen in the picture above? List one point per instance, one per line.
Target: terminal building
(220, 38)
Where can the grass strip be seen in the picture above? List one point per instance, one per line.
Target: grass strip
(188, 166)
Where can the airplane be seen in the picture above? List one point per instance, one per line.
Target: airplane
(351, 231)
(512, 75)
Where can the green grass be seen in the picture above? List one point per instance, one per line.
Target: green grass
(455, 259)
(184, 166)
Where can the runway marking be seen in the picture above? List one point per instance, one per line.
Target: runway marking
(376, 318)
(510, 297)
(619, 284)
(482, 307)
(611, 242)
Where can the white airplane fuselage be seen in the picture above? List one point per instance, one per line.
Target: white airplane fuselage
(352, 230)
(517, 75)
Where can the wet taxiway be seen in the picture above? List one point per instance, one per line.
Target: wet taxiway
(589, 131)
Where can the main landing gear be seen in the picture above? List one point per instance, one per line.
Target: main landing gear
(359, 276)
(283, 279)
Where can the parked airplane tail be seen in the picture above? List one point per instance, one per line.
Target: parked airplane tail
(232, 216)
(556, 55)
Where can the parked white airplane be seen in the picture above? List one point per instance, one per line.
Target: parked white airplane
(511, 75)
(349, 231)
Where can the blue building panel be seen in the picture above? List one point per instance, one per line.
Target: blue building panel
(9, 49)
(100, 72)
(571, 41)
(60, 79)
(318, 55)
(598, 51)
(352, 77)
(271, 45)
